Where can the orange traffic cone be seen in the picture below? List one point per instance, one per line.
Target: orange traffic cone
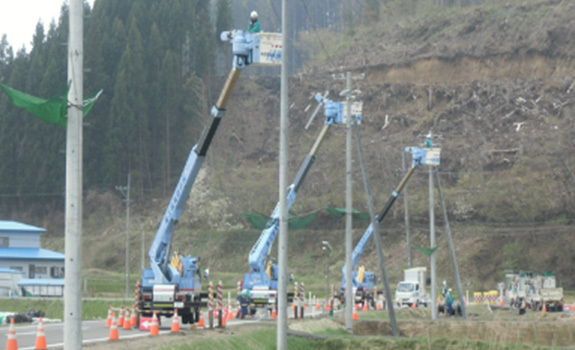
(40, 337)
(121, 317)
(354, 316)
(379, 306)
(274, 312)
(134, 318)
(544, 308)
(501, 302)
(365, 307)
(201, 321)
(109, 319)
(224, 321)
(230, 312)
(127, 325)
(413, 306)
(12, 343)
(114, 329)
(175, 322)
(155, 328)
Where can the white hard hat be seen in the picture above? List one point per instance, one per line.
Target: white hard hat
(449, 290)
(254, 14)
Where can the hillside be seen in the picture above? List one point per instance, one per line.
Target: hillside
(496, 83)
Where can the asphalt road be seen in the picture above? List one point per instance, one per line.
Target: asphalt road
(95, 331)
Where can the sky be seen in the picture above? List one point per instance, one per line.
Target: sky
(18, 19)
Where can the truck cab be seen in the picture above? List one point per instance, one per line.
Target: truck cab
(411, 290)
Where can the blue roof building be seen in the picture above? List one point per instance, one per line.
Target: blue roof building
(20, 251)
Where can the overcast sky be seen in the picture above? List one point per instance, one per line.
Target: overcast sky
(18, 19)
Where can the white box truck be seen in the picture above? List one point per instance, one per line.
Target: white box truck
(412, 289)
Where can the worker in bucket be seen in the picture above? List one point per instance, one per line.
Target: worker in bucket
(449, 302)
(254, 26)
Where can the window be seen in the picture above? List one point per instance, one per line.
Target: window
(41, 270)
(17, 268)
(4, 241)
(56, 271)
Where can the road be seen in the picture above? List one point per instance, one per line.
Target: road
(95, 331)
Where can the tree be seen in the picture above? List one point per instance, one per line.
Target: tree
(371, 11)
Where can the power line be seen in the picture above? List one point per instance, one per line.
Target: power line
(315, 31)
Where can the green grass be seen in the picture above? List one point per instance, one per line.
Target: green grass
(54, 308)
(260, 339)
(266, 339)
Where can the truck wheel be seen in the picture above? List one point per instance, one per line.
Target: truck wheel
(197, 316)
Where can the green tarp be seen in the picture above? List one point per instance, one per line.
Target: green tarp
(426, 251)
(52, 110)
(260, 221)
(340, 212)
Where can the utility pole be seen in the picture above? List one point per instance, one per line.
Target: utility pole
(125, 190)
(348, 312)
(451, 249)
(376, 237)
(327, 247)
(143, 262)
(432, 235)
(281, 340)
(348, 211)
(406, 210)
(73, 211)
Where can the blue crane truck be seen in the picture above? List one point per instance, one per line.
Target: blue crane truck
(262, 280)
(364, 282)
(174, 281)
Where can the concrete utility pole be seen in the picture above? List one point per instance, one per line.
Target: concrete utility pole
(451, 249)
(281, 341)
(348, 312)
(327, 247)
(432, 240)
(73, 221)
(143, 260)
(406, 210)
(125, 190)
(376, 237)
(348, 217)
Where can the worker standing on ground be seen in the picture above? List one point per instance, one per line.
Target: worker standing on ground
(449, 302)
(254, 26)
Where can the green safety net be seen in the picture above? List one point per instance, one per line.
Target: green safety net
(52, 110)
(426, 251)
(259, 221)
(340, 212)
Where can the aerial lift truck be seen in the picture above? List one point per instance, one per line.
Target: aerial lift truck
(174, 281)
(364, 282)
(262, 280)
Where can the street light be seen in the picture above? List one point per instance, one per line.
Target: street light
(327, 248)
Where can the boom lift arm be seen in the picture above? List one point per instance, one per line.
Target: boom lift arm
(263, 274)
(418, 155)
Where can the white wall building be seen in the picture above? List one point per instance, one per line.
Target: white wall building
(20, 251)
